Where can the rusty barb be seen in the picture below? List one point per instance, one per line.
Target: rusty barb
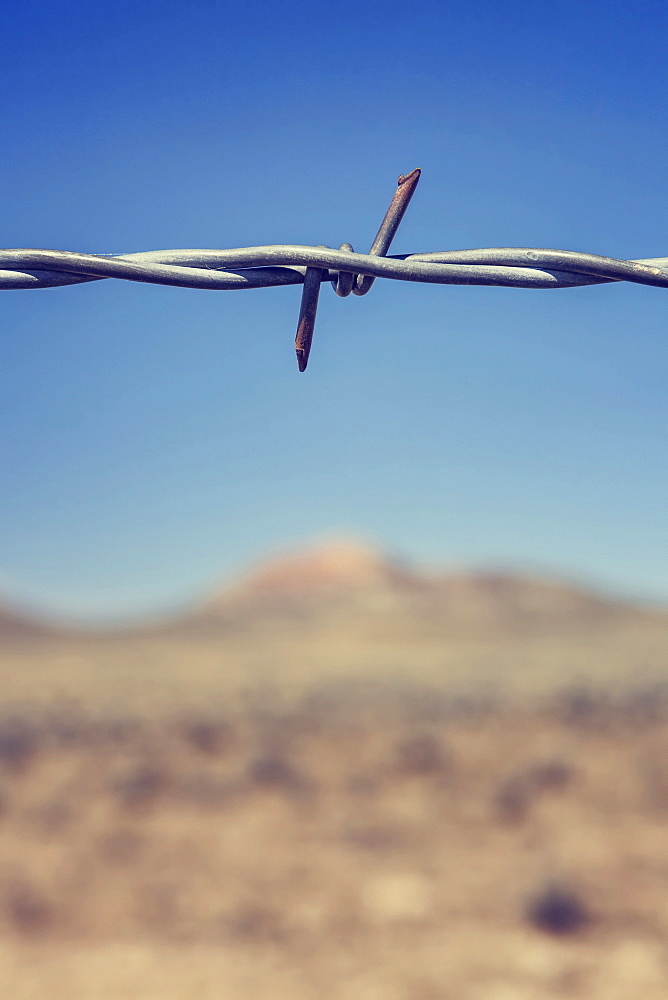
(346, 282)
(349, 272)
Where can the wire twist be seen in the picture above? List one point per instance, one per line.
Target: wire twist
(349, 272)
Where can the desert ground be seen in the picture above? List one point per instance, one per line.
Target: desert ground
(348, 791)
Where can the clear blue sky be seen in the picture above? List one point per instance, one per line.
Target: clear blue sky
(142, 458)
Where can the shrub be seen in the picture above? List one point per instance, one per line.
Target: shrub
(28, 910)
(208, 736)
(139, 785)
(557, 910)
(421, 754)
(19, 742)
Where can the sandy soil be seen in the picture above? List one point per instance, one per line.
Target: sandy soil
(434, 848)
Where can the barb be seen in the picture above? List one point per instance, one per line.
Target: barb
(347, 282)
(390, 224)
(312, 280)
(271, 266)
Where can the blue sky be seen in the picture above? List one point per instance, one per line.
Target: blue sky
(144, 454)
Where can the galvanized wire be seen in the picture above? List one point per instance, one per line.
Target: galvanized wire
(269, 266)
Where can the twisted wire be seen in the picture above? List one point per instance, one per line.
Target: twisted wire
(270, 266)
(349, 272)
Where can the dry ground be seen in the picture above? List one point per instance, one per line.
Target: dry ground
(418, 847)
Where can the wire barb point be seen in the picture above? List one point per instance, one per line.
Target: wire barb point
(309, 306)
(414, 176)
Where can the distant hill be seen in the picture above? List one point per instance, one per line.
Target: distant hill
(358, 584)
(16, 626)
(340, 618)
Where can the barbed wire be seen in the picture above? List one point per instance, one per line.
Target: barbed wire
(349, 272)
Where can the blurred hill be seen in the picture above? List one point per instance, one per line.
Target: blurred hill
(358, 584)
(344, 617)
(18, 625)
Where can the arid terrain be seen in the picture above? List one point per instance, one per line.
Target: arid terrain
(340, 777)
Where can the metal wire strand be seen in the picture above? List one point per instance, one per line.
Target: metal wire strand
(344, 280)
(269, 266)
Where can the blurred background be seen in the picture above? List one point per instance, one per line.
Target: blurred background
(350, 683)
